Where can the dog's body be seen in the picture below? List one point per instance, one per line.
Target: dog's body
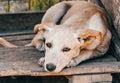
(81, 34)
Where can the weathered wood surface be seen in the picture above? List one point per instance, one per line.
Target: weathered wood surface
(99, 78)
(23, 12)
(18, 38)
(23, 32)
(23, 61)
(19, 21)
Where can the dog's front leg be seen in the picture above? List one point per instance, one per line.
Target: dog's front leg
(84, 55)
(41, 61)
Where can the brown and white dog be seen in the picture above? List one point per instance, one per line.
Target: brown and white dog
(81, 34)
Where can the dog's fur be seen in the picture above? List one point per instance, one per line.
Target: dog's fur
(81, 34)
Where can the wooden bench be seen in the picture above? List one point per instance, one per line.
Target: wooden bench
(22, 61)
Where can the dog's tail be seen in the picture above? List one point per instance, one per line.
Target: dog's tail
(5, 43)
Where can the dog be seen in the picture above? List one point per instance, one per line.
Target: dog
(71, 32)
(81, 34)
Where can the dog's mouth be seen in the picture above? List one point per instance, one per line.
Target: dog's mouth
(52, 67)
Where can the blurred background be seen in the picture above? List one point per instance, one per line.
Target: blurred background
(16, 15)
(26, 5)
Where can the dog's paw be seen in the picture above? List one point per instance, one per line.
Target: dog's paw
(40, 47)
(41, 61)
(72, 63)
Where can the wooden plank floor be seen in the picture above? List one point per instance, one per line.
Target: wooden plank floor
(16, 62)
(23, 60)
(22, 63)
(22, 38)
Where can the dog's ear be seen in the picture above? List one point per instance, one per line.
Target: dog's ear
(42, 28)
(90, 39)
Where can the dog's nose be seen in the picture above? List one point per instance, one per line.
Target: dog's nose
(50, 67)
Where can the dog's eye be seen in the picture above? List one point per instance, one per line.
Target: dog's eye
(49, 45)
(66, 49)
(79, 38)
(86, 39)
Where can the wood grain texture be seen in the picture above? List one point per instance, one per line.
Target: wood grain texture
(99, 78)
(19, 21)
(18, 38)
(24, 61)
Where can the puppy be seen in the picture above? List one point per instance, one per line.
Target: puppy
(81, 34)
(71, 32)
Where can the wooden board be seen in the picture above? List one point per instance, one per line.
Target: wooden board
(99, 78)
(19, 21)
(24, 61)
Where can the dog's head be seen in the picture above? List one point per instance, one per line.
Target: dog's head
(63, 44)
